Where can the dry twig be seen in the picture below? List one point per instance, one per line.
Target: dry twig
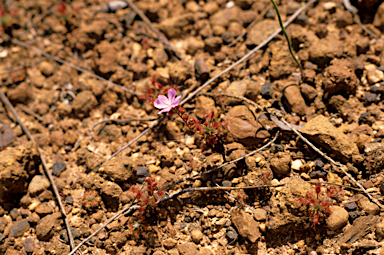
(6, 102)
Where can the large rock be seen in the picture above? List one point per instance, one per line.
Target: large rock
(19, 228)
(340, 77)
(38, 184)
(338, 218)
(17, 165)
(245, 225)
(321, 131)
(119, 169)
(244, 128)
(46, 226)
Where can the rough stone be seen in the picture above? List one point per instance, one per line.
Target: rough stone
(172, 27)
(46, 226)
(188, 248)
(281, 163)
(58, 167)
(110, 192)
(237, 88)
(197, 236)
(368, 206)
(46, 68)
(337, 218)
(119, 169)
(244, 128)
(260, 214)
(320, 130)
(245, 225)
(204, 105)
(225, 16)
(84, 102)
(340, 76)
(18, 228)
(29, 245)
(38, 184)
(261, 31)
(169, 243)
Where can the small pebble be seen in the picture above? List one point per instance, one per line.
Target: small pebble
(231, 233)
(197, 236)
(58, 168)
(351, 206)
(29, 245)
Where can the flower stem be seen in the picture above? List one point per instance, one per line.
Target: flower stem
(288, 41)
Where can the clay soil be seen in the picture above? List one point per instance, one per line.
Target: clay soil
(78, 121)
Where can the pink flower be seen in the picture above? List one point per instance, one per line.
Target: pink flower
(167, 104)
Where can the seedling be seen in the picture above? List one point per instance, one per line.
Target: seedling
(6, 22)
(318, 203)
(147, 200)
(90, 199)
(212, 131)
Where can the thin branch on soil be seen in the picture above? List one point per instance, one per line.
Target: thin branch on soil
(6, 102)
(136, 138)
(161, 37)
(246, 187)
(41, 52)
(125, 210)
(30, 112)
(334, 164)
(354, 11)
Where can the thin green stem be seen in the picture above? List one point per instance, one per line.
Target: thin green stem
(286, 37)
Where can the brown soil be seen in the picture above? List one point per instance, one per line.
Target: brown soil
(337, 106)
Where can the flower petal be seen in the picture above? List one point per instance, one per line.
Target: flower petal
(161, 102)
(165, 110)
(176, 101)
(171, 94)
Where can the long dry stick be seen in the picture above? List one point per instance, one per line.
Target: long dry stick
(334, 163)
(125, 210)
(41, 52)
(6, 102)
(161, 37)
(290, 126)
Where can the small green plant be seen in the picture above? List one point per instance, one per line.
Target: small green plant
(147, 202)
(212, 130)
(318, 203)
(90, 199)
(67, 12)
(240, 201)
(6, 22)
